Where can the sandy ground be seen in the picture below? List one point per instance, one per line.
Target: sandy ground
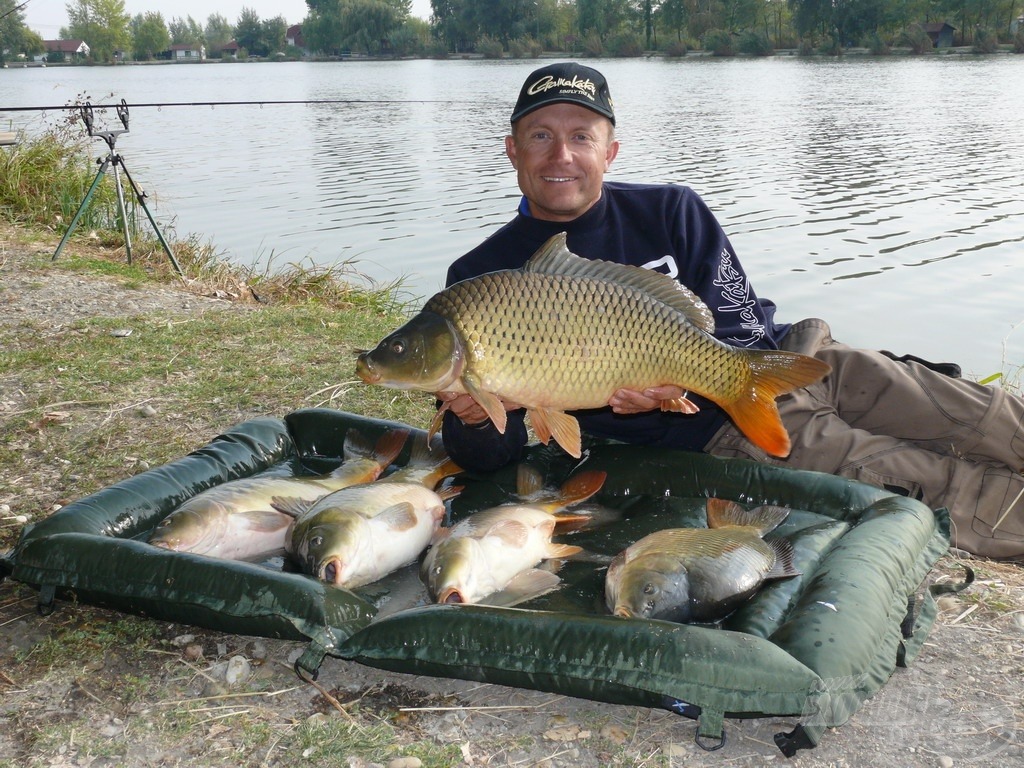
(958, 705)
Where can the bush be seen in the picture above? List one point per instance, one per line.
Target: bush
(490, 47)
(877, 45)
(626, 45)
(525, 47)
(593, 45)
(755, 44)
(719, 42)
(1018, 41)
(985, 41)
(676, 48)
(916, 39)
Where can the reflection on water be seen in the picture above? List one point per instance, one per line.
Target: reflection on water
(882, 194)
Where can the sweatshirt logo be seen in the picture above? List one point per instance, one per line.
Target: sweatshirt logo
(736, 298)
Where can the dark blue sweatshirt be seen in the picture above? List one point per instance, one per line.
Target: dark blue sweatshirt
(662, 227)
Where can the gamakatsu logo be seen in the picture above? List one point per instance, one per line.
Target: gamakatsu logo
(586, 87)
(736, 298)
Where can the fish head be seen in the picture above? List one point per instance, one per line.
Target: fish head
(328, 551)
(451, 572)
(424, 354)
(186, 530)
(651, 592)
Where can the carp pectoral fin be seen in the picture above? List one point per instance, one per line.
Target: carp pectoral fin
(435, 423)
(561, 550)
(292, 506)
(398, 517)
(512, 532)
(265, 520)
(548, 423)
(679, 405)
(489, 401)
(523, 586)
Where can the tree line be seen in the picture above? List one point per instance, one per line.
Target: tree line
(496, 28)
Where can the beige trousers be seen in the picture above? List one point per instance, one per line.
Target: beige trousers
(947, 441)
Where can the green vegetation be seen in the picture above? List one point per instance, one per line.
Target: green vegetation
(43, 181)
(518, 28)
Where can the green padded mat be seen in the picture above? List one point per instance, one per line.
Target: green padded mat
(812, 648)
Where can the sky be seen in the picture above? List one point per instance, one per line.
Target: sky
(47, 16)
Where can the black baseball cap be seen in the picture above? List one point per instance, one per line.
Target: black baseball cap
(565, 82)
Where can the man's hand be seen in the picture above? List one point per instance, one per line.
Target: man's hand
(467, 409)
(627, 401)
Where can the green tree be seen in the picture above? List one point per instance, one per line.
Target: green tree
(149, 35)
(273, 32)
(102, 24)
(185, 31)
(334, 26)
(15, 37)
(249, 32)
(217, 33)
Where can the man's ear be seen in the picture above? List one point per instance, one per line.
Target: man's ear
(510, 150)
(610, 155)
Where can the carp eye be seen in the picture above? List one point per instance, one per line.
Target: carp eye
(398, 346)
(316, 541)
(648, 589)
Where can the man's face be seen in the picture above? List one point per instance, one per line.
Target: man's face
(560, 154)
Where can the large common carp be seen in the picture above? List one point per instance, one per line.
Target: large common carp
(700, 574)
(235, 520)
(564, 333)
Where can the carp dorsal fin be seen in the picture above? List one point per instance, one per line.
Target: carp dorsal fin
(555, 258)
(723, 513)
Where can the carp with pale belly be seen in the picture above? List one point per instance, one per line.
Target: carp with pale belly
(700, 574)
(236, 520)
(565, 333)
(496, 550)
(364, 532)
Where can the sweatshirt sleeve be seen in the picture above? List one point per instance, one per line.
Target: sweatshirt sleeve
(481, 447)
(710, 268)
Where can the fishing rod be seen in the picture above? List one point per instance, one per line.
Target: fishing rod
(260, 103)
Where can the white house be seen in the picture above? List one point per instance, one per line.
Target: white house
(187, 52)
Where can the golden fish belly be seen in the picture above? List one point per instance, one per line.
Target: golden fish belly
(570, 342)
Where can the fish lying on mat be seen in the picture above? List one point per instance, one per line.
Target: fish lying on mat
(362, 533)
(497, 550)
(235, 520)
(564, 333)
(700, 574)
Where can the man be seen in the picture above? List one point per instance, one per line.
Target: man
(893, 424)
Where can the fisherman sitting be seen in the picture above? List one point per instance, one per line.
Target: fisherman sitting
(895, 424)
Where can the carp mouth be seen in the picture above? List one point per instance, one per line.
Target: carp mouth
(330, 571)
(365, 372)
(451, 596)
(623, 611)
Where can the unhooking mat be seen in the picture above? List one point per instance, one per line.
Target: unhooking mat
(812, 648)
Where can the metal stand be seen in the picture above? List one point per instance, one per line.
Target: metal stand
(113, 159)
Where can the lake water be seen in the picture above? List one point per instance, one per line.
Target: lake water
(885, 195)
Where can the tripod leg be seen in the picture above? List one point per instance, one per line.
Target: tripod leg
(141, 197)
(81, 208)
(121, 210)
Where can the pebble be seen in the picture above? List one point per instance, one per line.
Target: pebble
(945, 762)
(238, 670)
(147, 411)
(405, 762)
